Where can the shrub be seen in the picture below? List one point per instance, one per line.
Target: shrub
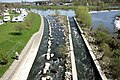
(106, 49)
(62, 50)
(83, 15)
(102, 35)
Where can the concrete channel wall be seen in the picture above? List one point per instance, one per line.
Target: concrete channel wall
(74, 72)
(20, 69)
(102, 75)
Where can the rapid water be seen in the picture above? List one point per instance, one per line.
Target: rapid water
(86, 69)
(57, 67)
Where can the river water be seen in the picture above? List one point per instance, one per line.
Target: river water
(104, 18)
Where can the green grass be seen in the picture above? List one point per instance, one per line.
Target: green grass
(8, 41)
(1, 17)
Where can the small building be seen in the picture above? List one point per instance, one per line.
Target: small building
(42, 2)
(6, 17)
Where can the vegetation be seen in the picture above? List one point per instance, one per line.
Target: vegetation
(110, 46)
(11, 41)
(52, 7)
(83, 16)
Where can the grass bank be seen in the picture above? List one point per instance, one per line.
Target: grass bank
(10, 41)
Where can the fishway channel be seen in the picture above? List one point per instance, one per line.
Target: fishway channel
(85, 66)
(53, 33)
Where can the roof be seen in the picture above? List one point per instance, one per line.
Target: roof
(6, 14)
(41, 0)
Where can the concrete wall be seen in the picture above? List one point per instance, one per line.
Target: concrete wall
(103, 77)
(20, 69)
(74, 72)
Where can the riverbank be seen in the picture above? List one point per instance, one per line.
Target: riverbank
(100, 11)
(19, 69)
(106, 50)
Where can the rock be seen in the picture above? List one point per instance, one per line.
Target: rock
(48, 77)
(68, 73)
(44, 71)
(48, 56)
(53, 71)
(52, 55)
(47, 65)
(43, 78)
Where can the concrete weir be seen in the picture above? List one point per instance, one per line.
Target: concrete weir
(20, 69)
(97, 65)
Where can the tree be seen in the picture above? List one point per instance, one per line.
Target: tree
(83, 16)
(1, 8)
(76, 3)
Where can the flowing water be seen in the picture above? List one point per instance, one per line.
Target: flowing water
(85, 67)
(57, 67)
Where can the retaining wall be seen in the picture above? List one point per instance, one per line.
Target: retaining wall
(74, 72)
(102, 75)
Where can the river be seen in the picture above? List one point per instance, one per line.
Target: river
(104, 18)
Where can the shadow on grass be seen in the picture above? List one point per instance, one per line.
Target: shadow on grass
(13, 57)
(15, 33)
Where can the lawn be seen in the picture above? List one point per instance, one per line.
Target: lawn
(10, 43)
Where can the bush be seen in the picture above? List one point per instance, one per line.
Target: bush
(102, 35)
(106, 49)
(62, 50)
(114, 43)
(83, 15)
(115, 68)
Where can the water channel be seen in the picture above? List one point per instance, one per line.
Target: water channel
(85, 66)
(40, 58)
(57, 67)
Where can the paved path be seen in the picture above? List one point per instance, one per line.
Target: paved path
(19, 69)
